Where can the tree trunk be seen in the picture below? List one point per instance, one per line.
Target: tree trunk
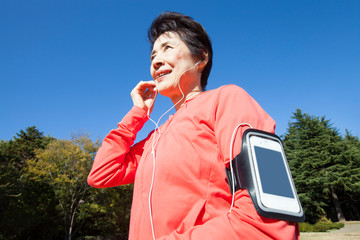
(339, 211)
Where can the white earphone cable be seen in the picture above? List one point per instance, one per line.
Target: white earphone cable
(154, 144)
(231, 158)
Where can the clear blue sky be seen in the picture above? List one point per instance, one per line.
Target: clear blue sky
(69, 66)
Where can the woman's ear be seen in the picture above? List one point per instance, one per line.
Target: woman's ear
(203, 61)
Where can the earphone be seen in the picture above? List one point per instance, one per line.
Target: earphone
(231, 158)
(156, 140)
(197, 63)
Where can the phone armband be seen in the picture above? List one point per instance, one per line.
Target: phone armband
(262, 169)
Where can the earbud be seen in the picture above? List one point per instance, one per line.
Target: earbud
(197, 63)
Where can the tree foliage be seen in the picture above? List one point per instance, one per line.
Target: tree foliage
(351, 194)
(323, 170)
(44, 193)
(26, 208)
(107, 212)
(64, 165)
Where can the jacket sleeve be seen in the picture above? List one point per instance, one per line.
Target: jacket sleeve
(234, 106)
(117, 160)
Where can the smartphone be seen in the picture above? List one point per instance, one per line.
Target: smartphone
(276, 190)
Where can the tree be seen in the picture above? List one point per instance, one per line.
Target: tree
(107, 212)
(321, 173)
(64, 165)
(350, 196)
(26, 207)
(32, 206)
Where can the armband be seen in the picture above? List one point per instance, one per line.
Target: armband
(262, 169)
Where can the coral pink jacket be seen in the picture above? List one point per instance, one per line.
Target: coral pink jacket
(190, 196)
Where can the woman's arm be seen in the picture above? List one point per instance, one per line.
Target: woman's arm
(116, 161)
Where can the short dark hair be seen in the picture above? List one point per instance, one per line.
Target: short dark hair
(189, 31)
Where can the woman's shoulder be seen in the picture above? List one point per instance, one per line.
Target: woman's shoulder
(225, 93)
(226, 90)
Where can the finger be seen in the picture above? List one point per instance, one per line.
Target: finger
(144, 94)
(143, 87)
(147, 84)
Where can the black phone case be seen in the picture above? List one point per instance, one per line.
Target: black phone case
(244, 180)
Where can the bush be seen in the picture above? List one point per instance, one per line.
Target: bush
(321, 226)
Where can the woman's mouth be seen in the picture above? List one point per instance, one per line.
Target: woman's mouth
(162, 74)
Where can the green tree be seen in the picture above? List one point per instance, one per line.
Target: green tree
(26, 208)
(107, 212)
(321, 173)
(43, 188)
(64, 165)
(350, 195)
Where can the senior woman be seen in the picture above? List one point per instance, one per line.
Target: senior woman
(178, 171)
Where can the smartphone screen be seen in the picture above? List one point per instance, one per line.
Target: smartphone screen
(274, 178)
(274, 182)
(267, 172)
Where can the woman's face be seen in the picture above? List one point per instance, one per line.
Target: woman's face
(170, 58)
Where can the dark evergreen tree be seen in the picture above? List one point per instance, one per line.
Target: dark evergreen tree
(350, 195)
(321, 172)
(27, 209)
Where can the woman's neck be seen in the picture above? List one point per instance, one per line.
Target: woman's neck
(178, 102)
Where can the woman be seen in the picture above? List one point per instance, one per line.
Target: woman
(178, 171)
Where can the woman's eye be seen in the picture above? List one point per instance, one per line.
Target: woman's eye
(167, 47)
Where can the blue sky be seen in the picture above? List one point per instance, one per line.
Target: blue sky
(69, 66)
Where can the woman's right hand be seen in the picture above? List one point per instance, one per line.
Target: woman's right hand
(144, 94)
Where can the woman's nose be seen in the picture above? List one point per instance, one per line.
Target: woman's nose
(157, 62)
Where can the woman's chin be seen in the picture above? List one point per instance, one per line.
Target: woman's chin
(163, 91)
(169, 92)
